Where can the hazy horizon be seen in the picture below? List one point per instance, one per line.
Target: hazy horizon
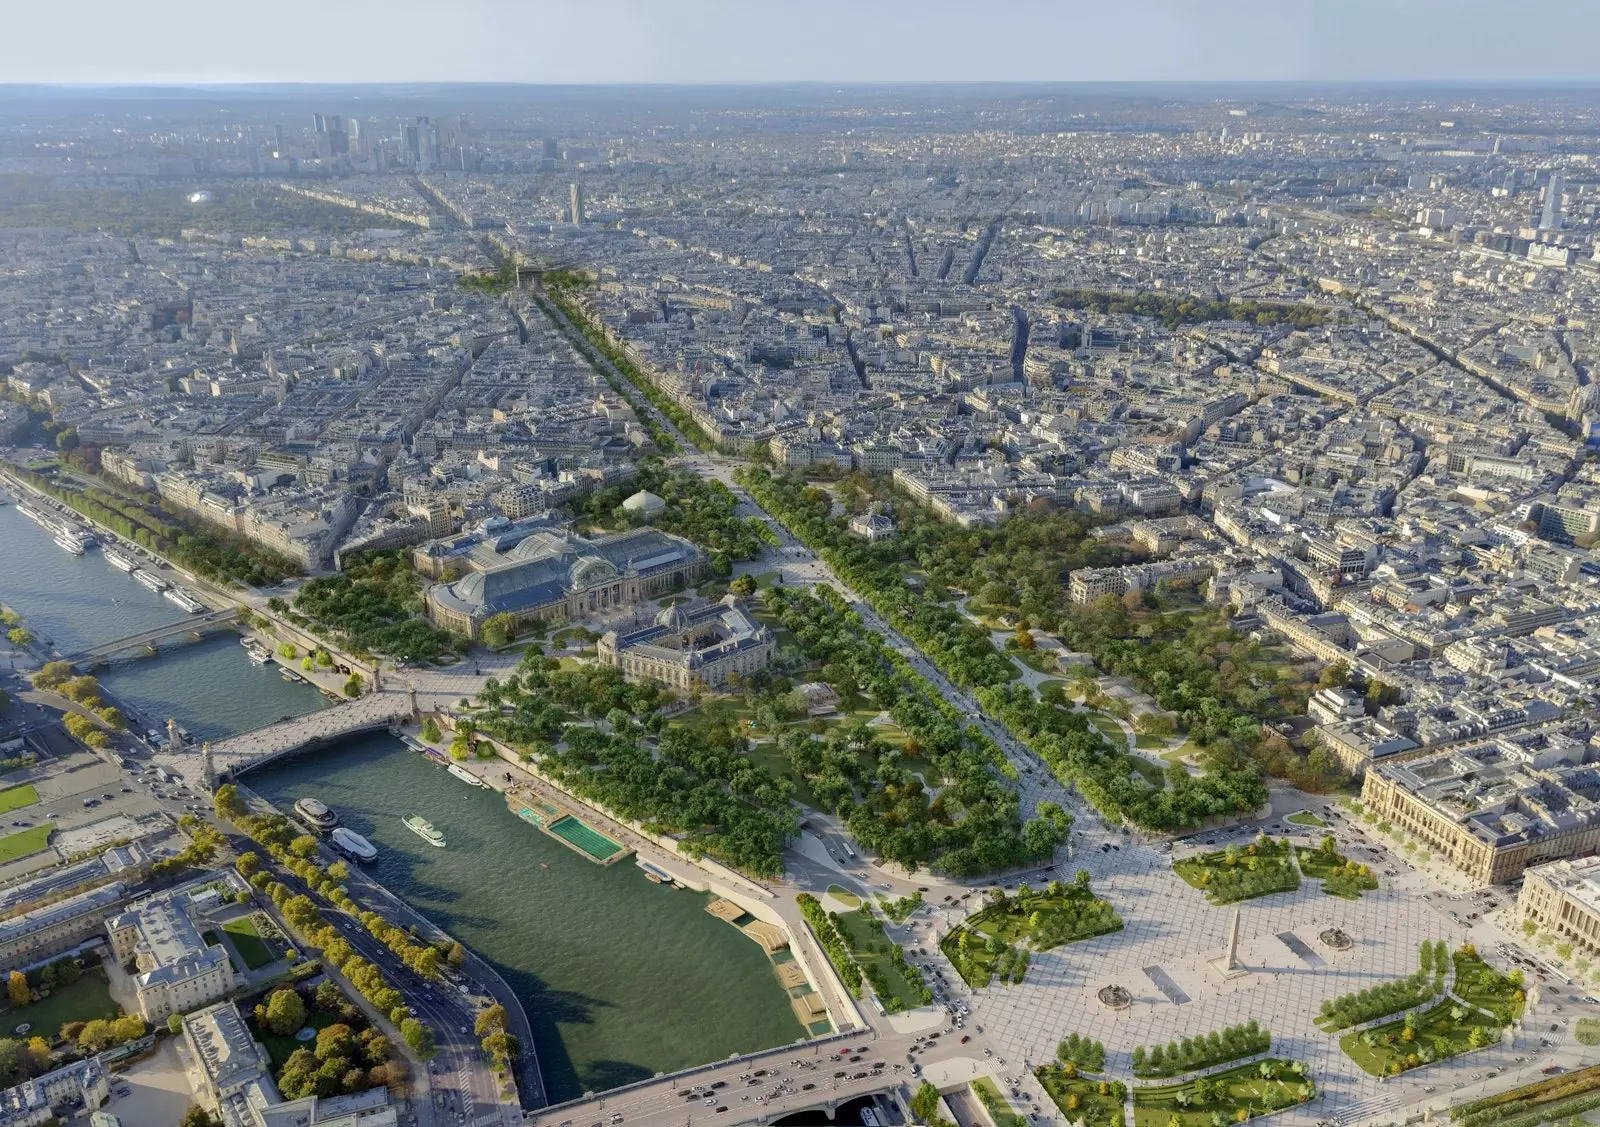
(720, 42)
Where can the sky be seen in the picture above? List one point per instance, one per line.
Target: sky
(828, 41)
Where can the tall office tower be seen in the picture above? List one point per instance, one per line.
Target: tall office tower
(335, 125)
(552, 149)
(277, 139)
(412, 144)
(1551, 219)
(319, 123)
(577, 205)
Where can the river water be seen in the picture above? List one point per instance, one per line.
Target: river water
(621, 978)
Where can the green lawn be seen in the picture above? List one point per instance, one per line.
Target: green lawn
(1438, 1032)
(1226, 882)
(1152, 773)
(254, 950)
(1188, 747)
(84, 1000)
(15, 798)
(24, 843)
(1109, 728)
(1148, 743)
(767, 579)
(1338, 874)
(872, 948)
(1305, 818)
(1231, 1090)
(1093, 1108)
(844, 896)
(1588, 1031)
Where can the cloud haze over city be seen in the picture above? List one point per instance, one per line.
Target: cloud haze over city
(742, 41)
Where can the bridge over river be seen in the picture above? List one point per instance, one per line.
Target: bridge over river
(253, 749)
(197, 625)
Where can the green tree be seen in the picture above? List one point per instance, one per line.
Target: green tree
(284, 1012)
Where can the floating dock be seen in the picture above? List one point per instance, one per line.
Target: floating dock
(567, 828)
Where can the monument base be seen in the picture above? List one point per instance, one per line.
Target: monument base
(1222, 970)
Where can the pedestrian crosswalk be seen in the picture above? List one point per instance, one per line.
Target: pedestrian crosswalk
(1366, 1109)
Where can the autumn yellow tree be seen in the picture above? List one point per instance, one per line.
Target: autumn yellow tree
(17, 987)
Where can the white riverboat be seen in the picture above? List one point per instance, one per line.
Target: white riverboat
(353, 845)
(120, 561)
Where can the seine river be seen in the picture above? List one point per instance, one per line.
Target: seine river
(621, 978)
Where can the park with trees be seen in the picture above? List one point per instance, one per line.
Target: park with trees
(1339, 875)
(374, 606)
(1373, 1002)
(1094, 1101)
(998, 937)
(1235, 1095)
(1242, 872)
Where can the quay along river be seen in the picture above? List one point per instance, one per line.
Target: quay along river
(620, 978)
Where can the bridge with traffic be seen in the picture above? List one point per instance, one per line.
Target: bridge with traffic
(197, 626)
(233, 757)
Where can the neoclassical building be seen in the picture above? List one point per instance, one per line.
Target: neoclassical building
(691, 647)
(556, 576)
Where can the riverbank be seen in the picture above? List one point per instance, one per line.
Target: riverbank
(620, 978)
(507, 772)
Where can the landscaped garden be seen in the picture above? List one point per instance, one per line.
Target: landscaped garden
(1479, 984)
(1233, 1096)
(1447, 1030)
(73, 997)
(1094, 1101)
(898, 984)
(1244, 872)
(995, 941)
(1194, 1053)
(1390, 997)
(1339, 875)
(1306, 818)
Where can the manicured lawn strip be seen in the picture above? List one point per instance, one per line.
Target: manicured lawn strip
(24, 843)
(1108, 728)
(995, 1103)
(85, 1000)
(844, 896)
(1440, 1034)
(15, 798)
(248, 942)
(1227, 1093)
(1093, 1108)
(1480, 984)
(1305, 818)
(1225, 882)
(874, 953)
(1543, 1101)
(1152, 773)
(1588, 1031)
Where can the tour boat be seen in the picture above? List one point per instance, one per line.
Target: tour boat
(653, 874)
(183, 599)
(353, 845)
(120, 561)
(465, 775)
(70, 541)
(424, 829)
(151, 580)
(31, 513)
(316, 814)
(259, 655)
